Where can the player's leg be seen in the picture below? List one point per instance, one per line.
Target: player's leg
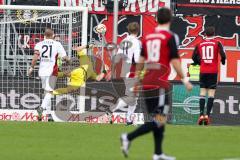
(121, 103)
(48, 84)
(77, 79)
(127, 138)
(129, 101)
(158, 133)
(155, 106)
(40, 109)
(211, 94)
(148, 126)
(130, 112)
(202, 100)
(68, 89)
(158, 138)
(132, 104)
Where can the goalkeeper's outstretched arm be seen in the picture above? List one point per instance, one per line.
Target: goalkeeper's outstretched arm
(79, 48)
(66, 59)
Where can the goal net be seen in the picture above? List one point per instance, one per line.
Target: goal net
(21, 27)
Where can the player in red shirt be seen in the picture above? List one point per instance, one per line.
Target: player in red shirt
(158, 52)
(206, 54)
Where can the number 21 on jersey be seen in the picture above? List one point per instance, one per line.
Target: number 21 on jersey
(153, 50)
(46, 52)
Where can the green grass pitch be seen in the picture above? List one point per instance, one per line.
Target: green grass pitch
(75, 141)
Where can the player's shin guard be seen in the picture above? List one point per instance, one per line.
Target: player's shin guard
(158, 139)
(143, 129)
(202, 105)
(209, 105)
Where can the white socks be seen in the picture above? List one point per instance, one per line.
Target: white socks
(121, 103)
(130, 111)
(46, 103)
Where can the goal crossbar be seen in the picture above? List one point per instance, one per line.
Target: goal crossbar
(84, 11)
(43, 8)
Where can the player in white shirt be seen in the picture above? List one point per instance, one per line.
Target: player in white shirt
(47, 51)
(129, 51)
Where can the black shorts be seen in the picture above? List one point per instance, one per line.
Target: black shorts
(156, 100)
(208, 80)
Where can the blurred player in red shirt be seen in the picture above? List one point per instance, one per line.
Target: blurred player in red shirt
(159, 50)
(206, 54)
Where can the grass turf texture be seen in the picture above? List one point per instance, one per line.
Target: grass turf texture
(70, 141)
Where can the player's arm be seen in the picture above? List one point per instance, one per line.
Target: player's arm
(62, 53)
(80, 48)
(222, 53)
(140, 66)
(137, 51)
(140, 58)
(66, 59)
(195, 56)
(176, 63)
(34, 60)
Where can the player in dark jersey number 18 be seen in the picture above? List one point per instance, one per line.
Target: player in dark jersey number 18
(159, 48)
(206, 54)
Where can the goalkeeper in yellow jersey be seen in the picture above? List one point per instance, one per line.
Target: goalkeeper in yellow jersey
(81, 74)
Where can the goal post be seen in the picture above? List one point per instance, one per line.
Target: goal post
(22, 22)
(84, 11)
(21, 28)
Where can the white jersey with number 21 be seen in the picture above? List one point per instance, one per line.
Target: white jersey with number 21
(49, 51)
